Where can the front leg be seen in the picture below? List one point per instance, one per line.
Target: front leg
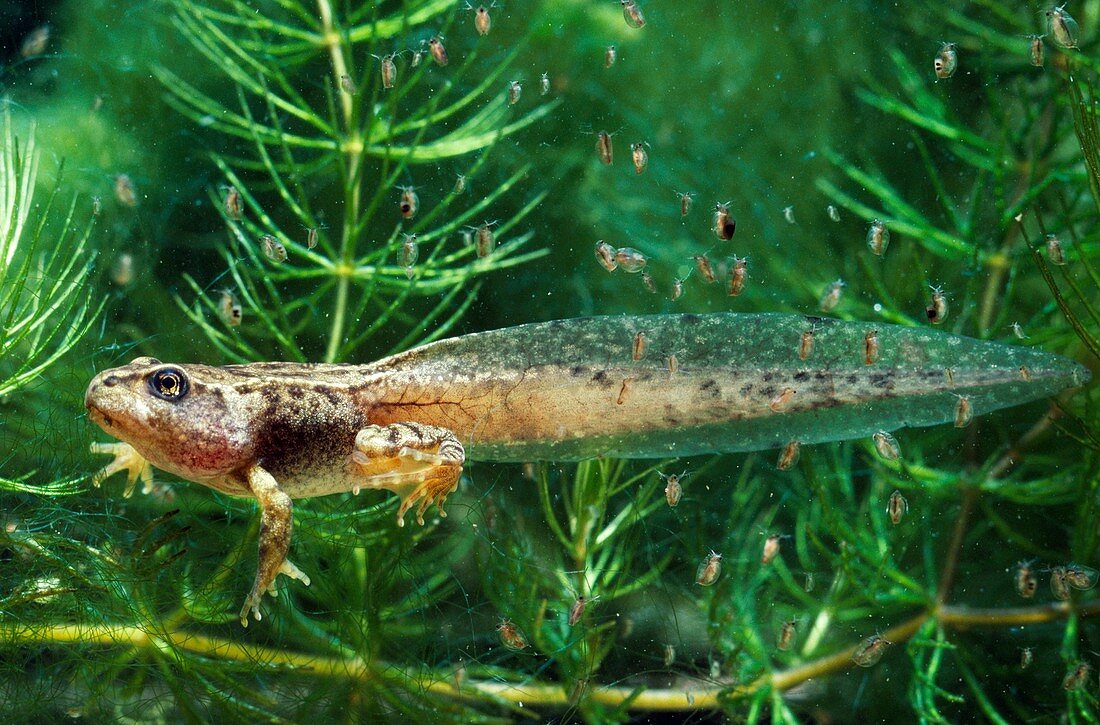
(418, 462)
(275, 526)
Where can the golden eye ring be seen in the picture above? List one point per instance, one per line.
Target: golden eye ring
(169, 384)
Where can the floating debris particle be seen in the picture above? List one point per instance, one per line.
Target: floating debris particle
(97, 206)
(515, 90)
(788, 214)
(834, 213)
(544, 84)
(963, 412)
(122, 271)
(624, 391)
(610, 55)
(771, 549)
(1026, 657)
(37, 40)
(669, 655)
(1076, 677)
(637, 351)
(808, 585)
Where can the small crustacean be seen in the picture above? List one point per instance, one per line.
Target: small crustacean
(273, 249)
(515, 90)
(788, 456)
(638, 347)
(788, 214)
(232, 202)
(1076, 677)
(1055, 252)
(780, 402)
(347, 84)
(1059, 587)
(483, 22)
(605, 255)
(686, 198)
(610, 55)
(1018, 331)
(947, 60)
(673, 489)
(605, 148)
(808, 583)
(229, 309)
(1026, 657)
(410, 202)
(544, 84)
(786, 634)
(706, 270)
(639, 156)
(878, 237)
(833, 212)
(576, 612)
(709, 570)
(387, 69)
(771, 549)
(486, 240)
(124, 191)
(963, 412)
(870, 347)
(632, 14)
(438, 51)
(1062, 27)
(460, 184)
(806, 344)
(724, 224)
(510, 636)
(417, 56)
(1025, 373)
(1026, 583)
(737, 274)
(1081, 577)
(831, 297)
(312, 233)
(937, 307)
(97, 205)
(870, 651)
(38, 39)
(669, 655)
(630, 259)
(677, 289)
(408, 254)
(897, 507)
(886, 445)
(1035, 49)
(648, 283)
(122, 271)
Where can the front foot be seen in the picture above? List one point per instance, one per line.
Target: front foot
(420, 463)
(126, 459)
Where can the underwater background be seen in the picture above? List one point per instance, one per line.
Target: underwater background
(222, 182)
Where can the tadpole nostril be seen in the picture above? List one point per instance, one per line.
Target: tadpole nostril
(111, 380)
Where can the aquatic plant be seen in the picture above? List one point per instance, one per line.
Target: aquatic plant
(45, 304)
(580, 590)
(325, 149)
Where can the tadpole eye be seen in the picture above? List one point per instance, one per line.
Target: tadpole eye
(169, 384)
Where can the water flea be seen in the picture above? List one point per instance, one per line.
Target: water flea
(706, 270)
(878, 237)
(831, 297)
(897, 507)
(788, 456)
(709, 570)
(947, 61)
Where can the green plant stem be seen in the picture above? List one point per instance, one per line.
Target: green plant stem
(528, 693)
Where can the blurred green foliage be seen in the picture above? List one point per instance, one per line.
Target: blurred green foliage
(109, 607)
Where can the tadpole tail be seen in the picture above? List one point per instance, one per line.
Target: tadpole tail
(707, 383)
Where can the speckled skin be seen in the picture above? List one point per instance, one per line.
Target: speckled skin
(560, 390)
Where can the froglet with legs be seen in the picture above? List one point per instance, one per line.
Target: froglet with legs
(563, 390)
